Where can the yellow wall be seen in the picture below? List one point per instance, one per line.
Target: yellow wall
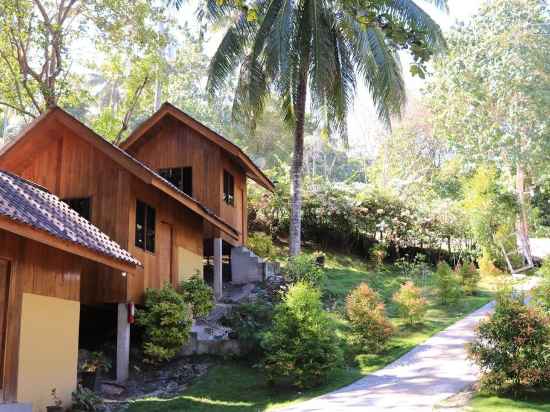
(188, 264)
(48, 351)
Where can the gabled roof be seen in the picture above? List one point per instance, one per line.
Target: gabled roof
(120, 157)
(168, 109)
(23, 203)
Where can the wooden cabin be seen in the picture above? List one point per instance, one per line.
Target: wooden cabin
(44, 248)
(203, 164)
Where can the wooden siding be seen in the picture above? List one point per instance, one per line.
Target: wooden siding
(172, 144)
(70, 167)
(38, 269)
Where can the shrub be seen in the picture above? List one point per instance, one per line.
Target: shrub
(469, 277)
(197, 294)
(447, 284)
(541, 295)
(85, 400)
(166, 323)
(378, 253)
(249, 321)
(512, 347)
(304, 268)
(301, 346)
(371, 329)
(487, 266)
(261, 244)
(544, 270)
(411, 304)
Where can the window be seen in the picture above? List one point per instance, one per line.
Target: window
(181, 177)
(228, 188)
(145, 226)
(82, 206)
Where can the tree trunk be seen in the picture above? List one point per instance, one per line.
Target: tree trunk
(522, 226)
(297, 166)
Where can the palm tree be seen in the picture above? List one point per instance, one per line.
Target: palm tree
(315, 52)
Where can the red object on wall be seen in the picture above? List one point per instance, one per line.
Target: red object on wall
(131, 313)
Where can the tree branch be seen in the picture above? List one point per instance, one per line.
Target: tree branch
(131, 109)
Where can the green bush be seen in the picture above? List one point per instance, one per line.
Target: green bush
(469, 277)
(512, 347)
(301, 347)
(541, 295)
(261, 244)
(447, 284)
(197, 294)
(487, 266)
(544, 270)
(249, 321)
(85, 400)
(304, 268)
(370, 326)
(411, 304)
(166, 323)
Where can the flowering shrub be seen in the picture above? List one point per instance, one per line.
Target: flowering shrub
(447, 284)
(512, 347)
(304, 268)
(166, 323)
(411, 304)
(301, 347)
(371, 328)
(469, 277)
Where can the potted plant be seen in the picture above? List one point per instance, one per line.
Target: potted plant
(84, 400)
(91, 367)
(56, 407)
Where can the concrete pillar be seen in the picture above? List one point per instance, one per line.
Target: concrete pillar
(122, 344)
(218, 278)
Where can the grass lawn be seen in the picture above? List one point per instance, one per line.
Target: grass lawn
(482, 403)
(235, 386)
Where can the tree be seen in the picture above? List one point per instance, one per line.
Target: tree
(490, 95)
(316, 51)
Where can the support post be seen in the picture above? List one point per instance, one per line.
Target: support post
(218, 278)
(122, 344)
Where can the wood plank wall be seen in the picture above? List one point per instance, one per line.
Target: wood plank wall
(70, 168)
(172, 144)
(38, 269)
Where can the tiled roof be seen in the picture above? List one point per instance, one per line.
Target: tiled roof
(30, 204)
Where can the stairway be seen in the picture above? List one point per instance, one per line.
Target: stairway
(246, 267)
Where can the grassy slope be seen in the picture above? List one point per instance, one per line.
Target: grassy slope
(234, 386)
(483, 403)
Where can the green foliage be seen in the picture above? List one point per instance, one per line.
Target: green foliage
(469, 277)
(250, 321)
(544, 269)
(261, 244)
(166, 323)
(411, 304)
(370, 326)
(541, 295)
(378, 253)
(301, 347)
(304, 268)
(487, 266)
(512, 347)
(97, 361)
(447, 284)
(198, 294)
(85, 400)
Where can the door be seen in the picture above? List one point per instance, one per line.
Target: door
(165, 254)
(4, 289)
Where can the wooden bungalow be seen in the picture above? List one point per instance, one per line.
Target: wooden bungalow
(44, 248)
(203, 164)
(157, 222)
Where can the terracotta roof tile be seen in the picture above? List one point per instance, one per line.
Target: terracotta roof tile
(30, 204)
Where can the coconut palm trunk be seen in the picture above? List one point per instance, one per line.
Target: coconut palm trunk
(297, 167)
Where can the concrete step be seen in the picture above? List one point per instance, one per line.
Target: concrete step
(15, 407)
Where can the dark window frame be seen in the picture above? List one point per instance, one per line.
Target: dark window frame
(75, 203)
(145, 236)
(228, 188)
(181, 177)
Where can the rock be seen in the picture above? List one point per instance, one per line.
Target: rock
(112, 389)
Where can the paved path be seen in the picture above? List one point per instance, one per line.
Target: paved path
(417, 382)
